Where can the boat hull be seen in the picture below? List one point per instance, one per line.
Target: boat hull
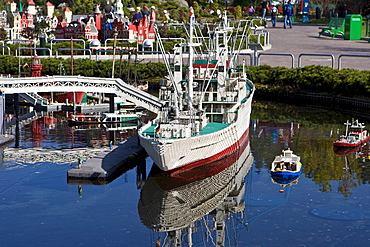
(76, 97)
(177, 155)
(346, 150)
(345, 145)
(286, 175)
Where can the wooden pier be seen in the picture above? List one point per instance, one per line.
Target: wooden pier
(108, 165)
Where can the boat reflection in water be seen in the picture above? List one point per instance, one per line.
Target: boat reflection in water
(199, 205)
(284, 181)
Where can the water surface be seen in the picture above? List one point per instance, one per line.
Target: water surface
(328, 206)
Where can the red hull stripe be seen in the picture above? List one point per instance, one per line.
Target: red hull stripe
(346, 151)
(344, 144)
(240, 144)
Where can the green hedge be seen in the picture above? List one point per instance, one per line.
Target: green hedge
(313, 78)
(152, 72)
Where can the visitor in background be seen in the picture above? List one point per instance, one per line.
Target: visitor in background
(342, 9)
(137, 17)
(145, 13)
(166, 17)
(288, 13)
(108, 10)
(264, 5)
(251, 10)
(131, 8)
(153, 16)
(274, 13)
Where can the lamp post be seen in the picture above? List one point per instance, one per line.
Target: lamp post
(226, 3)
(61, 69)
(115, 33)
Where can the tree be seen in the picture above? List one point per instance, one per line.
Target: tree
(82, 7)
(3, 34)
(28, 33)
(41, 27)
(238, 12)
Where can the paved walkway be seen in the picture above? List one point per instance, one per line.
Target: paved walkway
(305, 39)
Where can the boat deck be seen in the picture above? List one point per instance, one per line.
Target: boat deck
(279, 159)
(210, 128)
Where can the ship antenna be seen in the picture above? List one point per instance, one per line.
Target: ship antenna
(347, 124)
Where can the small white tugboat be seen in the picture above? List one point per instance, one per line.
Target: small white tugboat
(286, 166)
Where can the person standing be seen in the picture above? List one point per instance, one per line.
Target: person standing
(251, 10)
(131, 8)
(288, 13)
(153, 16)
(137, 17)
(145, 13)
(264, 5)
(166, 17)
(274, 13)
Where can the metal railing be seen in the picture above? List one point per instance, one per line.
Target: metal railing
(4, 46)
(69, 49)
(348, 55)
(32, 48)
(265, 36)
(161, 40)
(275, 54)
(314, 55)
(122, 40)
(73, 40)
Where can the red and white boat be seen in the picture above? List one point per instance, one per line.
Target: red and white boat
(354, 138)
(205, 116)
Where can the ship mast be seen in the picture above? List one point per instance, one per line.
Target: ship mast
(191, 57)
(347, 124)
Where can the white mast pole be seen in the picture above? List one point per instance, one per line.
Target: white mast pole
(191, 56)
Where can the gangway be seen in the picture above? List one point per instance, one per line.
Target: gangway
(24, 120)
(34, 98)
(33, 85)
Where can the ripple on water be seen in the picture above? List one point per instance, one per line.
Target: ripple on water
(261, 200)
(341, 213)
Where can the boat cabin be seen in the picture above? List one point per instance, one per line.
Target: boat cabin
(280, 166)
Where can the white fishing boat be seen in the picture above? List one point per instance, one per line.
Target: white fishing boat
(206, 114)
